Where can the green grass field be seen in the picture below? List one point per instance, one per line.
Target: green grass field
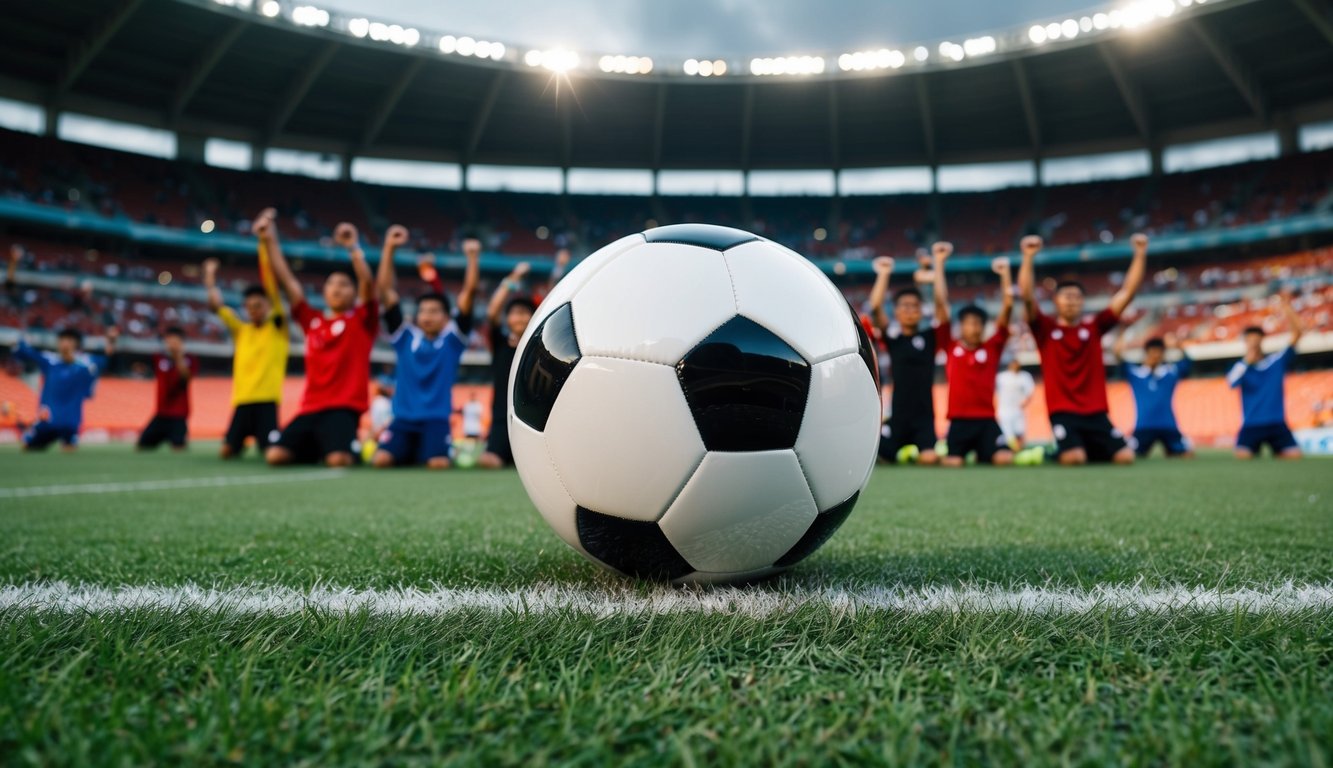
(816, 684)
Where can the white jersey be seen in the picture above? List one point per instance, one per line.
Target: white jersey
(381, 413)
(1011, 389)
(472, 411)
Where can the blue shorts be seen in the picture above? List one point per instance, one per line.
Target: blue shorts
(43, 433)
(1171, 440)
(1278, 437)
(412, 441)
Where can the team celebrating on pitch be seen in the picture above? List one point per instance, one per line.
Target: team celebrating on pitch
(985, 405)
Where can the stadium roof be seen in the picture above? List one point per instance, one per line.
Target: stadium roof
(198, 67)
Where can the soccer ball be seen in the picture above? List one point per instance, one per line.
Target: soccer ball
(694, 404)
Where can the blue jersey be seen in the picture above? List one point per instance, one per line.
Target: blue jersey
(1153, 390)
(427, 369)
(1262, 401)
(64, 385)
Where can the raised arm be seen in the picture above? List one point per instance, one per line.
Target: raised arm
(558, 271)
(266, 227)
(345, 234)
(941, 251)
(12, 269)
(1118, 347)
(1293, 319)
(883, 270)
(1000, 266)
(267, 280)
(1138, 266)
(501, 295)
(110, 335)
(1030, 246)
(471, 277)
(211, 284)
(385, 281)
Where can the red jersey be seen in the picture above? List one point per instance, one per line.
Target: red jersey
(971, 373)
(337, 356)
(173, 388)
(1071, 362)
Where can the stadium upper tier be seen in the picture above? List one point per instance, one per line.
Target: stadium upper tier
(201, 207)
(277, 73)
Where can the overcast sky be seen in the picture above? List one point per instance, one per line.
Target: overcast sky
(713, 27)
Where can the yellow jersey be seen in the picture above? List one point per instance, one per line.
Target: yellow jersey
(260, 361)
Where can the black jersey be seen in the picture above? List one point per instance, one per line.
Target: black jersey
(502, 359)
(912, 365)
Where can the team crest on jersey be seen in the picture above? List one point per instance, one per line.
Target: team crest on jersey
(337, 328)
(163, 365)
(1083, 334)
(317, 322)
(1057, 334)
(981, 355)
(919, 342)
(957, 351)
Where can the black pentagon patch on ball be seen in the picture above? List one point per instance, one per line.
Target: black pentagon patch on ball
(549, 358)
(637, 548)
(825, 525)
(708, 236)
(865, 347)
(746, 387)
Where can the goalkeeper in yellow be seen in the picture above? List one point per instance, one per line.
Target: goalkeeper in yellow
(262, 341)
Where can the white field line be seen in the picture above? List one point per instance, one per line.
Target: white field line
(278, 476)
(61, 597)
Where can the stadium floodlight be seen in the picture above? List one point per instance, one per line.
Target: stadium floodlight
(1053, 31)
(448, 44)
(951, 51)
(787, 65)
(628, 65)
(270, 8)
(359, 27)
(921, 53)
(310, 16)
(1085, 24)
(1069, 28)
(1101, 21)
(466, 46)
(1037, 34)
(882, 58)
(244, 5)
(979, 46)
(557, 60)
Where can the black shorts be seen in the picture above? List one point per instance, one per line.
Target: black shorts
(916, 430)
(497, 442)
(1092, 432)
(311, 437)
(43, 433)
(164, 429)
(257, 420)
(1172, 441)
(1277, 436)
(981, 435)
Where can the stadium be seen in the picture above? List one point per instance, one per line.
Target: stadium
(644, 254)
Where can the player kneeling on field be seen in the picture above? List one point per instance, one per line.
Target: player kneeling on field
(971, 366)
(173, 370)
(1154, 386)
(1259, 378)
(338, 342)
(1071, 359)
(429, 351)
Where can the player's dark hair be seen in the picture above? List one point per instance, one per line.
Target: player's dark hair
(906, 292)
(174, 330)
(439, 298)
(521, 301)
(1252, 329)
(1154, 343)
(254, 290)
(347, 273)
(972, 310)
(1063, 284)
(70, 333)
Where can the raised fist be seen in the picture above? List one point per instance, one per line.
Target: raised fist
(521, 270)
(562, 257)
(111, 333)
(1139, 240)
(1030, 244)
(882, 265)
(1000, 266)
(471, 247)
(396, 235)
(1171, 340)
(345, 235)
(15, 252)
(210, 267)
(263, 223)
(941, 250)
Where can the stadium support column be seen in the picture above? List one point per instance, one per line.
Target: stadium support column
(51, 113)
(345, 166)
(747, 125)
(1155, 157)
(835, 158)
(190, 147)
(1288, 136)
